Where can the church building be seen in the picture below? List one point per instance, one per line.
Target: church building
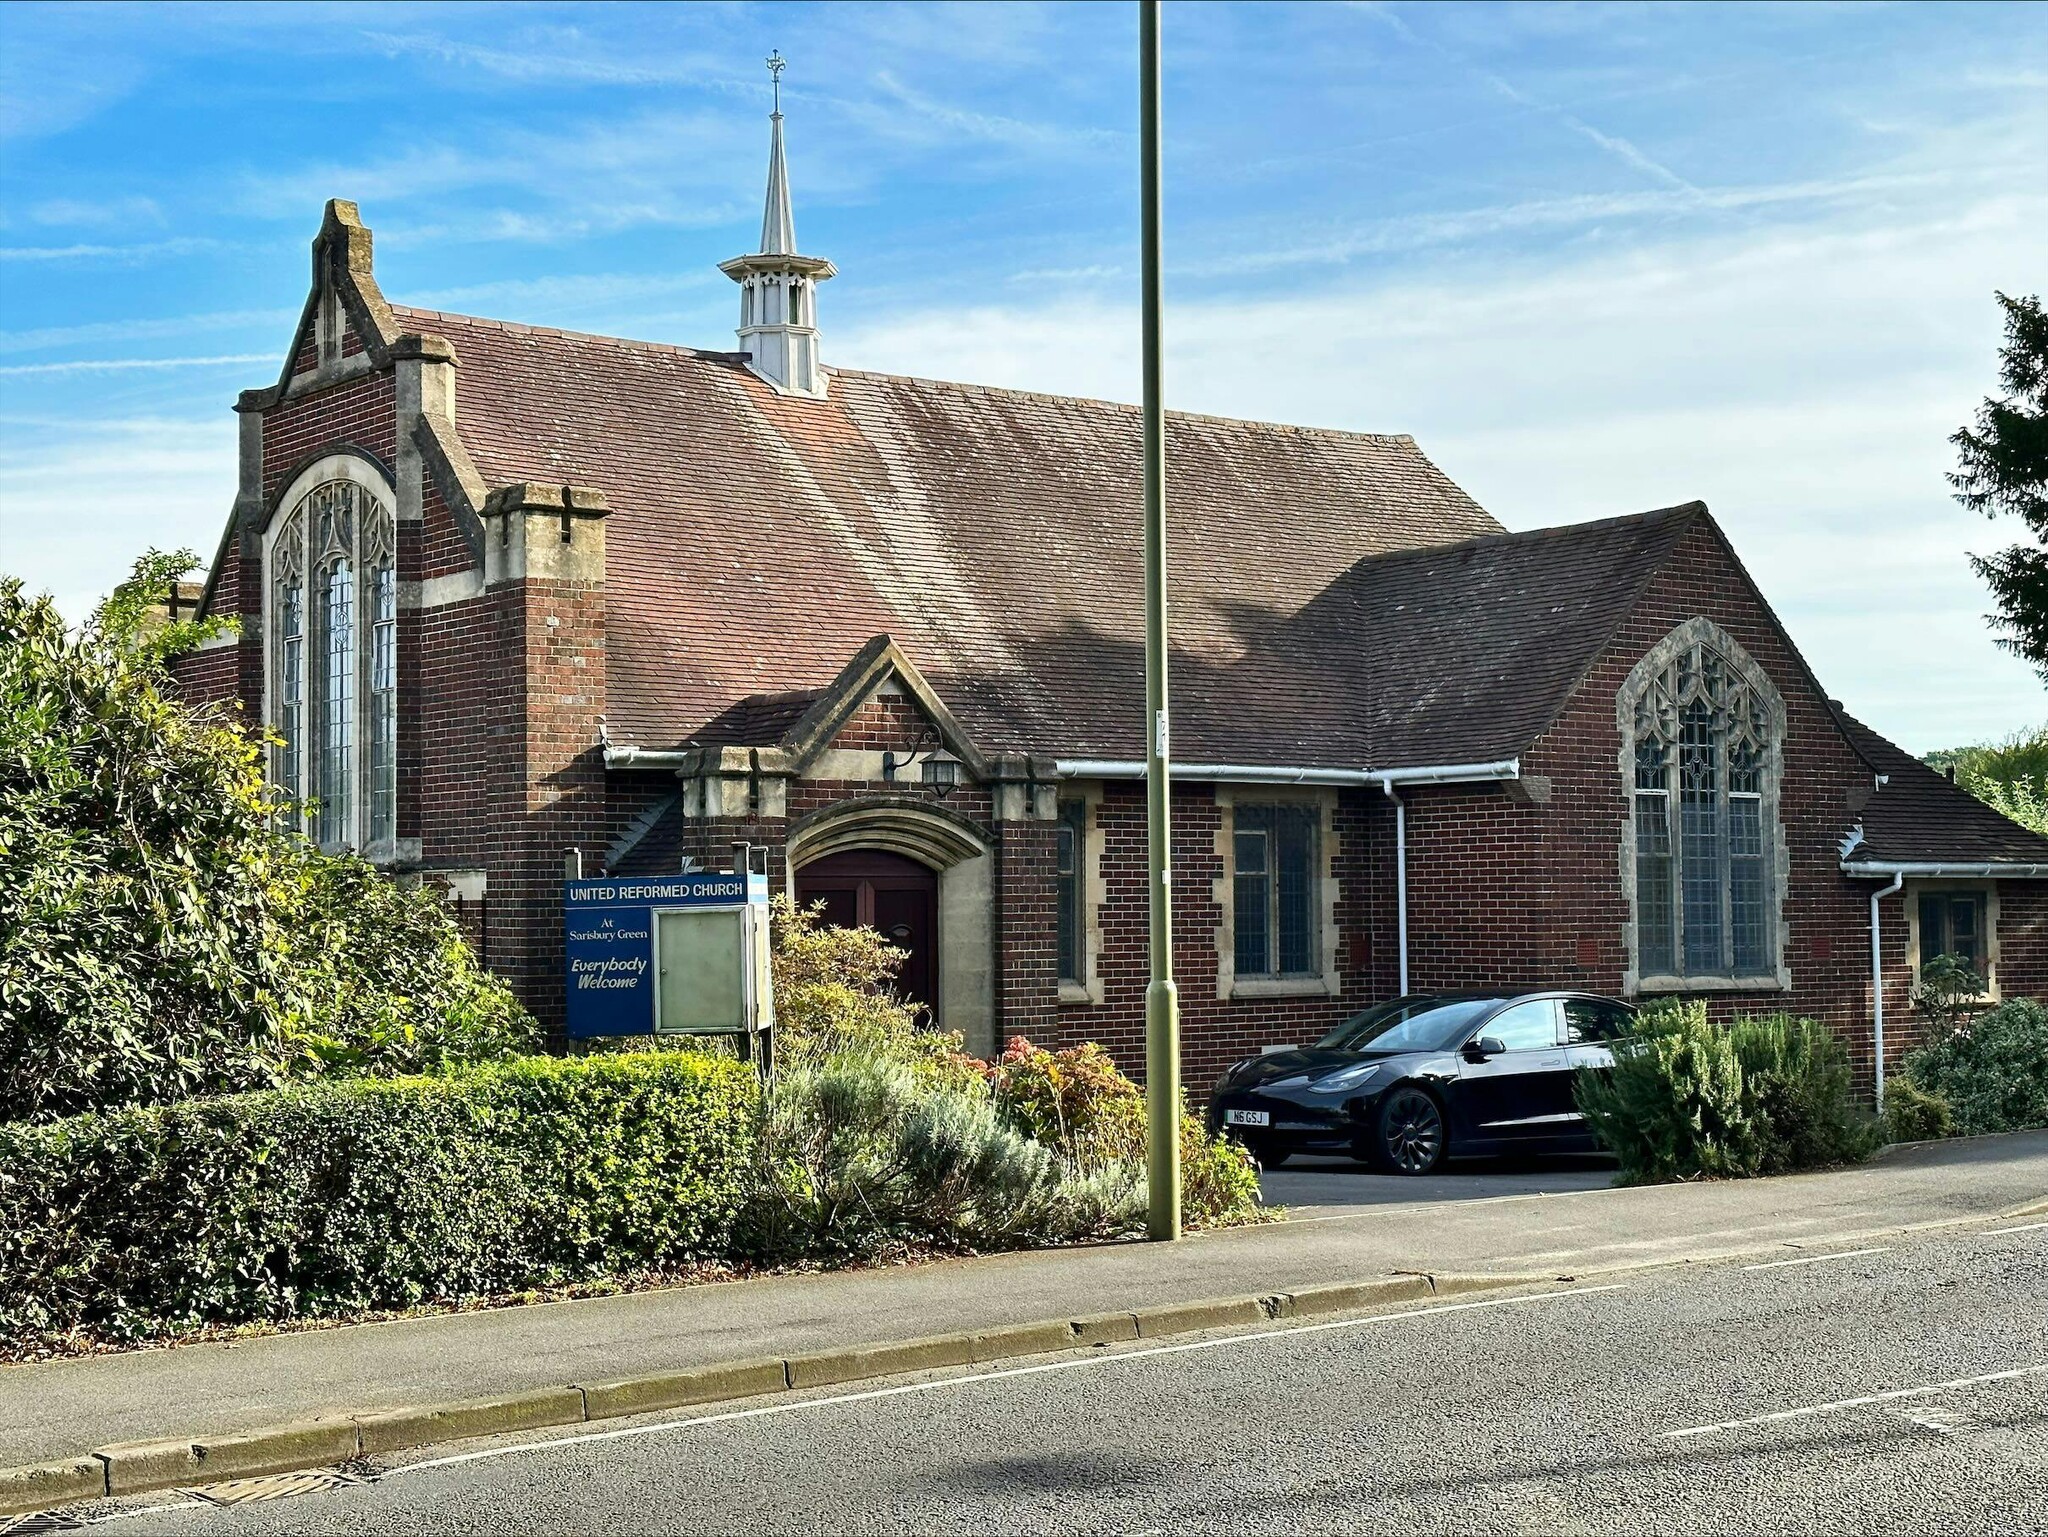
(512, 596)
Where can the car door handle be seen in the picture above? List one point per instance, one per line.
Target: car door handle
(1557, 1061)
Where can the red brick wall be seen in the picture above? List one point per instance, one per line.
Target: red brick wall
(210, 678)
(358, 413)
(1214, 1032)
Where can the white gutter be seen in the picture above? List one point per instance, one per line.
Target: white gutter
(648, 757)
(1266, 774)
(1996, 870)
(1877, 978)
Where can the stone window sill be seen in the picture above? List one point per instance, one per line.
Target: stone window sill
(1281, 987)
(1077, 993)
(1771, 984)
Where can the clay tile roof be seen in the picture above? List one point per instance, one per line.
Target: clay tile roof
(757, 541)
(1471, 649)
(759, 720)
(1919, 817)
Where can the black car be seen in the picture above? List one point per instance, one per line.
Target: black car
(1406, 1084)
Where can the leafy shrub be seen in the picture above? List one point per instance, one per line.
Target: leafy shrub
(334, 1197)
(835, 997)
(160, 937)
(1077, 1101)
(1992, 1072)
(1911, 1114)
(879, 1133)
(859, 1156)
(1947, 992)
(1687, 1098)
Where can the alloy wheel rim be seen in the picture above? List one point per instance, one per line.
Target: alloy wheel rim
(1414, 1132)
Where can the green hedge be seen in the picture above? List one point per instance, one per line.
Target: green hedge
(367, 1194)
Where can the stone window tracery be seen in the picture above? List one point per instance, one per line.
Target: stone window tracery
(333, 646)
(1704, 731)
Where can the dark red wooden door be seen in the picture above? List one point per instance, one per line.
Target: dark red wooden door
(888, 892)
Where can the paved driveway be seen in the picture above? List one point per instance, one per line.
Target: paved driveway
(1320, 1187)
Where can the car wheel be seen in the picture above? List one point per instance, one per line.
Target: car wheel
(1410, 1135)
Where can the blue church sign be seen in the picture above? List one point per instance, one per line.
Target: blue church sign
(678, 954)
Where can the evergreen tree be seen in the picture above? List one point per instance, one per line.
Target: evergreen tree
(2003, 468)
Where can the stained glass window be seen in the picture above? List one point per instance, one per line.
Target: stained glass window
(1705, 903)
(334, 587)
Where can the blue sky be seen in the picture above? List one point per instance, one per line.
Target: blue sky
(1596, 258)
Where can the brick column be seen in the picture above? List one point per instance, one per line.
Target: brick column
(544, 574)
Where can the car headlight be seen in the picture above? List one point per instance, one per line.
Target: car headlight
(1347, 1079)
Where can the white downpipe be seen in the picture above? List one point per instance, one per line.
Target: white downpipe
(1877, 977)
(1400, 878)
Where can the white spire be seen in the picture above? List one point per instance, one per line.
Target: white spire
(778, 288)
(778, 223)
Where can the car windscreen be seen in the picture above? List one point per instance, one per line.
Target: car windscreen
(1409, 1024)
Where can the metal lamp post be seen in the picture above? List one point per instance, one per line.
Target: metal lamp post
(1162, 1003)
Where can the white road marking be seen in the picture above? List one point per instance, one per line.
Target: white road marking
(1074, 1364)
(1815, 1259)
(146, 1510)
(1857, 1403)
(2030, 1227)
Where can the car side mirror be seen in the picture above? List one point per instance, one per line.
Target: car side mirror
(1482, 1047)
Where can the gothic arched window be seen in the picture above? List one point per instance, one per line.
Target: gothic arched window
(333, 649)
(1702, 732)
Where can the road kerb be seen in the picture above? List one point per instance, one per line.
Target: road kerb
(278, 1449)
(392, 1430)
(137, 1467)
(1350, 1296)
(1036, 1339)
(46, 1485)
(677, 1390)
(1211, 1313)
(1449, 1283)
(1105, 1329)
(133, 1466)
(827, 1367)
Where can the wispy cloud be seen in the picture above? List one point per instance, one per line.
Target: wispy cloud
(565, 55)
(991, 127)
(1065, 274)
(72, 211)
(118, 365)
(126, 255)
(138, 328)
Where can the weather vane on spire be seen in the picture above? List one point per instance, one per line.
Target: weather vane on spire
(776, 65)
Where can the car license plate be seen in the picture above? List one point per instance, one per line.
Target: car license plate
(1247, 1118)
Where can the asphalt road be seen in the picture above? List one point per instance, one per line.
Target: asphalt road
(1314, 1187)
(1902, 1389)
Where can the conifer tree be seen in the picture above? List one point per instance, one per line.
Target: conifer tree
(2003, 468)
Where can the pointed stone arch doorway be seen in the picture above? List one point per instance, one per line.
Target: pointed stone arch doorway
(872, 888)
